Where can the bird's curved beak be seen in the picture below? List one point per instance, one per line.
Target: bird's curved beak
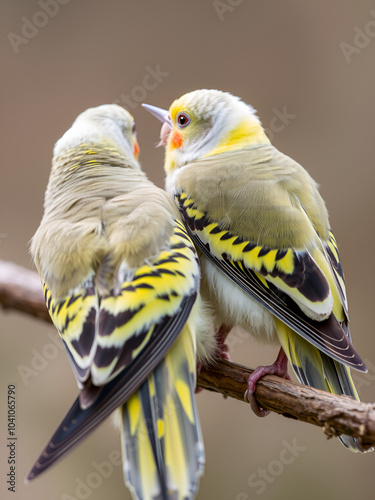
(164, 116)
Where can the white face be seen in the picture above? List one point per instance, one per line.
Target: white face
(198, 122)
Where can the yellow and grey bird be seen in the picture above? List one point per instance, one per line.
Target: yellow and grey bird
(121, 283)
(269, 259)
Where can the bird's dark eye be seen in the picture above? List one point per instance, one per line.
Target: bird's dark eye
(133, 128)
(183, 120)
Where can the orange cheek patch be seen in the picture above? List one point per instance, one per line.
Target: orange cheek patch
(176, 139)
(136, 149)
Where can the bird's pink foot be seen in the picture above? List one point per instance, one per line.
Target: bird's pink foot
(222, 347)
(279, 368)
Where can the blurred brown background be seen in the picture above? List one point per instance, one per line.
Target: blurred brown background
(284, 58)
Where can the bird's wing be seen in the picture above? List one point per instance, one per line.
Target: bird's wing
(296, 285)
(153, 300)
(152, 310)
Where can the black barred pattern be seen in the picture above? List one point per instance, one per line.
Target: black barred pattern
(249, 247)
(280, 254)
(84, 343)
(306, 276)
(109, 322)
(77, 337)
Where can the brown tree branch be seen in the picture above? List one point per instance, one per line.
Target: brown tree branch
(335, 414)
(20, 289)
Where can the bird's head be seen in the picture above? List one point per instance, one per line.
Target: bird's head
(108, 123)
(204, 123)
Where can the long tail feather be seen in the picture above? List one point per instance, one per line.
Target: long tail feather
(162, 446)
(315, 369)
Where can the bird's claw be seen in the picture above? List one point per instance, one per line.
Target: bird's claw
(250, 398)
(279, 368)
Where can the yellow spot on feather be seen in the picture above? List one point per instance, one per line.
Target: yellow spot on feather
(160, 428)
(286, 264)
(263, 280)
(134, 410)
(268, 260)
(183, 392)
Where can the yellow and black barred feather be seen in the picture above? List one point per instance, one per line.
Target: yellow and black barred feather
(103, 335)
(141, 342)
(280, 279)
(156, 290)
(74, 316)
